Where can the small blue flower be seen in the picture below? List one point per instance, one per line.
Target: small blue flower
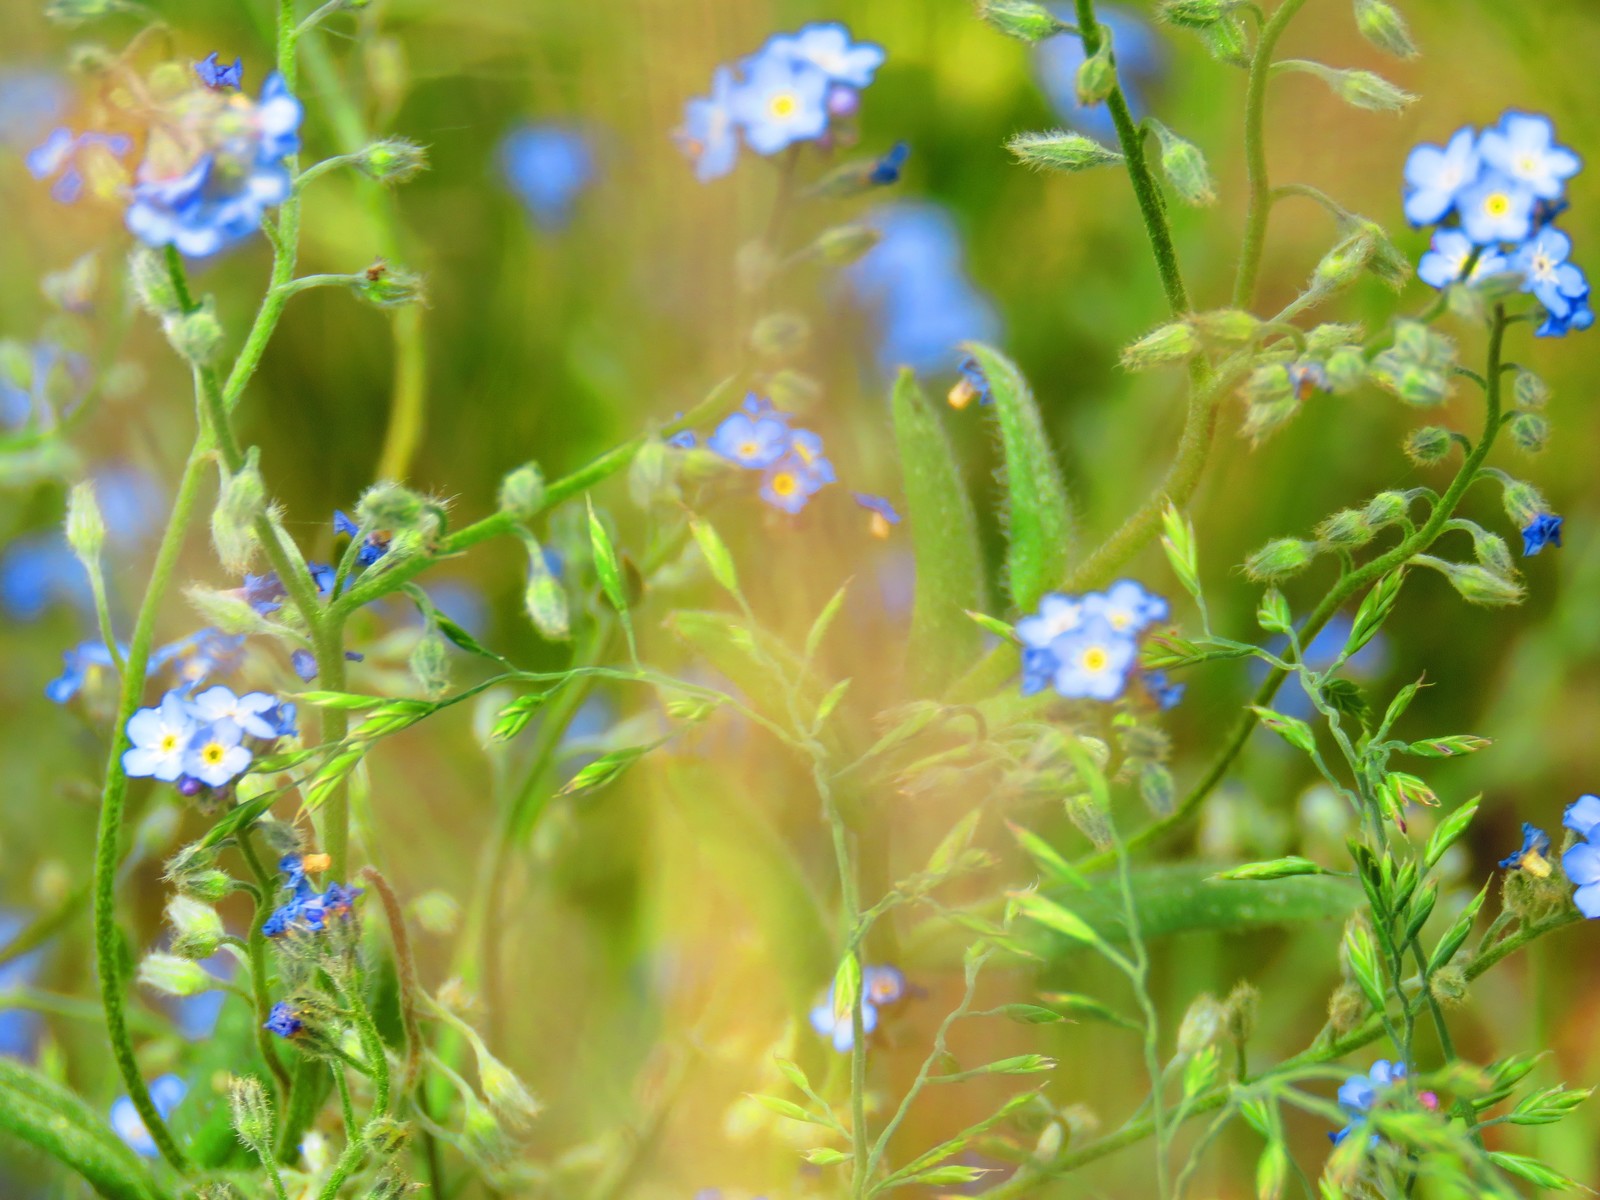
(756, 442)
(201, 655)
(1581, 862)
(887, 169)
(219, 76)
(252, 713)
(684, 439)
(1162, 690)
(305, 664)
(1557, 284)
(1583, 816)
(1544, 530)
(1057, 615)
(789, 485)
(1496, 209)
(1580, 318)
(781, 101)
(322, 575)
(1522, 147)
(548, 165)
(883, 985)
(828, 48)
(39, 572)
(84, 662)
(283, 1021)
(1358, 1093)
(166, 1093)
(264, 593)
(1126, 607)
(709, 134)
(1094, 660)
(159, 740)
(57, 158)
(1436, 175)
(1447, 258)
(973, 385)
(216, 755)
(883, 513)
(1039, 668)
(374, 548)
(1531, 857)
(839, 1027)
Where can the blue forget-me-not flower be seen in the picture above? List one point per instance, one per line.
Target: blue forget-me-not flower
(1581, 861)
(1358, 1093)
(1087, 647)
(548, 165)
(1531, 857)
(166, 1093)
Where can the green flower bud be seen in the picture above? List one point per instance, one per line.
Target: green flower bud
(1201, 1026)
(227, 610)
(1021, 19)
(1192, 14)
(1448, 985)
(1390, 266)
(1347, 1008)
(437, 912)
(196, 928)
(241, 502)
(1090, 819)
(1347, 527)
(652, 476)
(1239, 1013)
(1265, 418)
(1347, 369)
(86, 528)
(545, 598)
(1227, 326)
(484, 1140)
(1428, 445)
(844, 244)
(1475, 584)
(1363, 89)
(1097, 75)
(1279, 559)
(1342, 265)
(1384, 28)
(1491, 551)
(1168, 344)
(1268, 383)
(174, 976)
(391, 508)
(209, 885)
(1185, 168)
(1322, 340)
(393, 160)
(1060, 151)
(522, 492)
(793, 391)
(1530, 431)
(1523, 503)
(251, 1114)
(780, 335)
(430, 664)
(507, 1095)
(386, 1136)
(1227, 41)
(1387, 508)
(196, 336)
(388, 287)
(1530, 391)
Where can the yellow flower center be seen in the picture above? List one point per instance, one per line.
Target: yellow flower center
(880, 525)
(749, 449)
(1095, 659)
(962, 394)
(1526, 164)
(783, 105)
(169, 743)
(1497, 204)
(1121, 620)
(784, 484)
(212, 754)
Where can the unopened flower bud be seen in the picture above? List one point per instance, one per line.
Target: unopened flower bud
(1423, 387)
(386, 1136)
(196, 928)
(388, 287)
(80, 12)
(1530, 391)
(251, 1113)
(1185, 168)
(1448, 985)
(1060, 152)
(1385, 28)
(793, 391)
(1346, 1007)
(1476, 584)
(843, 244)
(1523, 503)
(1342, 265)
(545, 598)
(1239, 1013)
(197, 335)
(482, 1134)
(1168, 344)
(1387, 508)
(430, 664)
(174, 976)
(522, 492)
(507, 1095)
(1201, 1026)
(1347, 527)
(1279, 559)
(1530, 431)
(1427, 445)
(1347, 369)
(241, 502)
(780, 335)
(390, 507)
(1021, 19)
(1363, 89)
(86, 528)
(437, 912)
(393, 160)
(1096, 76)
(1193, 14)
(1227, 326)
(1491, 551)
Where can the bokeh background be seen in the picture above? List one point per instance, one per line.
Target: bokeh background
(662, 935)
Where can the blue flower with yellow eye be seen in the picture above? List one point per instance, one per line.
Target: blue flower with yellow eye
(283, 1021)
(85, 663)
(1446, 260)
(1532, 856)
(1496, 209)
(1523, 148)
(972, 385)
(828, 48)
(1126, 607)
(884, 516)
(709, 134)
(881, 986)
(216, 754)
(63, 156)
(782, 100)
(252, 712)
(1093, 661)
(1057, 615)
(753, 441)
(199, 656)
(1544, 530)
(159, 739)
(1436, 175)
(789, 485)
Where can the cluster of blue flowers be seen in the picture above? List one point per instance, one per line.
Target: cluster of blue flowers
(1504, 189)
(1087, 647)
(1580, 861)
(789, 92)
(206, 740)
(760, 438)
(214, 161)
(190, 660)
(881, 987)
(915, 284)
(308, 910)
(1358, 1094)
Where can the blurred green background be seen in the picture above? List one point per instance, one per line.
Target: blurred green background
(648, 944)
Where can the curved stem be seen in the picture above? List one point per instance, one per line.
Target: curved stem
(1255, 150)
(113, 798)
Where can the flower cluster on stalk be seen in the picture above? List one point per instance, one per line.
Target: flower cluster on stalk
(307, 910)
(203, 742)
(1580, 861)
(792, 463)
(791, 91)
(1087, 647)
(1493, 198)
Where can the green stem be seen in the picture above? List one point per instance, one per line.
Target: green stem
(108, 942)
(1255, 150)
(1348, 585)
(256, 947)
